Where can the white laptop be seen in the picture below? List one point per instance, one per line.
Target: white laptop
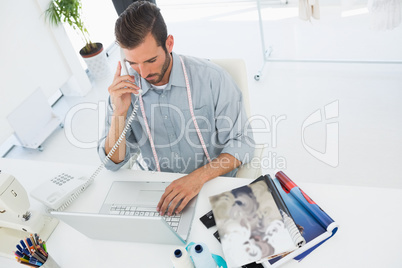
(129, 214)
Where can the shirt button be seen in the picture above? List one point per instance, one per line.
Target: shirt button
(166, 117)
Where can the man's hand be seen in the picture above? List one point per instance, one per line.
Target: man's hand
(120, 91)
(186, 188)
(120, 95)
(181, 190)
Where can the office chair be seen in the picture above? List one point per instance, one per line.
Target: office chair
(237, 69)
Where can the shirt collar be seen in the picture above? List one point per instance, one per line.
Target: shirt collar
(176, 77)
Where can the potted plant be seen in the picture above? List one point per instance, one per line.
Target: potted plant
(69, 11)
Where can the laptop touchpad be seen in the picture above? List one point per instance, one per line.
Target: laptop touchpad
(135, 193)
(150, 197)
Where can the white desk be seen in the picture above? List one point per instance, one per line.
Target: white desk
(367, 237)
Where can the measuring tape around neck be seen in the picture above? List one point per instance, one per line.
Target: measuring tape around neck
(190, 104)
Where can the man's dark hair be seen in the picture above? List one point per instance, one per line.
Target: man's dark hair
(137, 21)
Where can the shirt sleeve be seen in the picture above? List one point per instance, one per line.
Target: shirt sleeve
(233, 129)
(131, 143)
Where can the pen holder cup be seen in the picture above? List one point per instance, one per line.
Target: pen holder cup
(50, 263)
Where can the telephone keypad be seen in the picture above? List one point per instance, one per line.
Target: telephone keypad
(62, 179)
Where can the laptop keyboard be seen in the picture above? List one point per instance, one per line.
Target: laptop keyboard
(127, 210)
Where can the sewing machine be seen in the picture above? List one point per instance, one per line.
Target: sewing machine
(16, 221)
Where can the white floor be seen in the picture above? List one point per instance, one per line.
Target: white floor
(365, 98)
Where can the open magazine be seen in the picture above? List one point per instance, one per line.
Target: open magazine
(251, 226)
(236, 212)
(315, 225)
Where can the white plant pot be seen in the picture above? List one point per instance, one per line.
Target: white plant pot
(97, 63)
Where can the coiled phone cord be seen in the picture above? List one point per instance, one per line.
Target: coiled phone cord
(116, 145)
(104, 162)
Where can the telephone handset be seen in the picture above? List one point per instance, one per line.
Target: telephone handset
(59, 192)
(124, 69)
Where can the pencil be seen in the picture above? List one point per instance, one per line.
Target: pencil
(30, 245)
(44, 246)
(42, 251)
(23, 260)
(27, 264)
(36, 238)
(33, 241)
(38, 257)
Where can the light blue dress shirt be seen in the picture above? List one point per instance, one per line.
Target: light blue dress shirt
(218, 108)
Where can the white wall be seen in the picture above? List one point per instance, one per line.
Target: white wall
(33, 55)
(25, 41)
(369, 95)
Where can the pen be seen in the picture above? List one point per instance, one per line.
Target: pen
(34, 261)
(41, 254)
(30, 245)
(27, 264)
(23, 244)
(38, 257)
(24, 248)
(18, 254)
(24, 251)
(44, 246)
(20, 249)
(27, 253)
(33, 241)
(42, 251)
(36, 238)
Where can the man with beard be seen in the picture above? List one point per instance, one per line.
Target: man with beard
(191, 118)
